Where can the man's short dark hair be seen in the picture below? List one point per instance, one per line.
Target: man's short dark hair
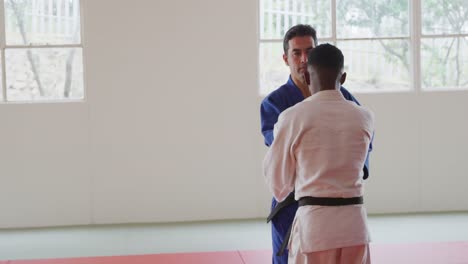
(326, 56)
(299, 30)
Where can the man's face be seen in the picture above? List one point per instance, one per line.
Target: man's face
(296, 58)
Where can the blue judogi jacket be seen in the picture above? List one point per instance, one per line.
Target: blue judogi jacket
(284, 97)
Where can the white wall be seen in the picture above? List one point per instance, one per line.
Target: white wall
(419, 162)
(170, 128)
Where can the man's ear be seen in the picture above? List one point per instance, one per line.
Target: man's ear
(285, 59)
(343, 78)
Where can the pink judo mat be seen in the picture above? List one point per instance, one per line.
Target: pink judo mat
(425, 253)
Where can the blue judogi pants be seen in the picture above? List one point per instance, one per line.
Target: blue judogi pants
(279, 227)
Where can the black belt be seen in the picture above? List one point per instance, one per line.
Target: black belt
(290, 200)
(322, 201)
(326, 201)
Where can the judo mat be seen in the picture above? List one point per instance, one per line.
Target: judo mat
(426, 253)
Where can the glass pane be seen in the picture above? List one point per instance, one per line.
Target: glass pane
(44, 74)
(273, 70)
(277, 16)
(444, 63)
(42, 22)
(444, 17)
(376, 18)
(377, 65)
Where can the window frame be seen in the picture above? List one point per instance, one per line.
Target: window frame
(4, 47)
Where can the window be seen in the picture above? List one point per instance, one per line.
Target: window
(389, 45)
(41, 51)
(444, 44)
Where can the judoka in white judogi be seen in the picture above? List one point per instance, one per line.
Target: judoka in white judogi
(319, 150)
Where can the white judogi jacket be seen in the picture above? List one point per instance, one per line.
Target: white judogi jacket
(319, 149)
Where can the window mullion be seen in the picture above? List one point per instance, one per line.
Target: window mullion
(2, 48)
(43, 46)
(270, 40)
(333, 18)
(2, 25)
(82, 44)
(3, 76)
(415, 28)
